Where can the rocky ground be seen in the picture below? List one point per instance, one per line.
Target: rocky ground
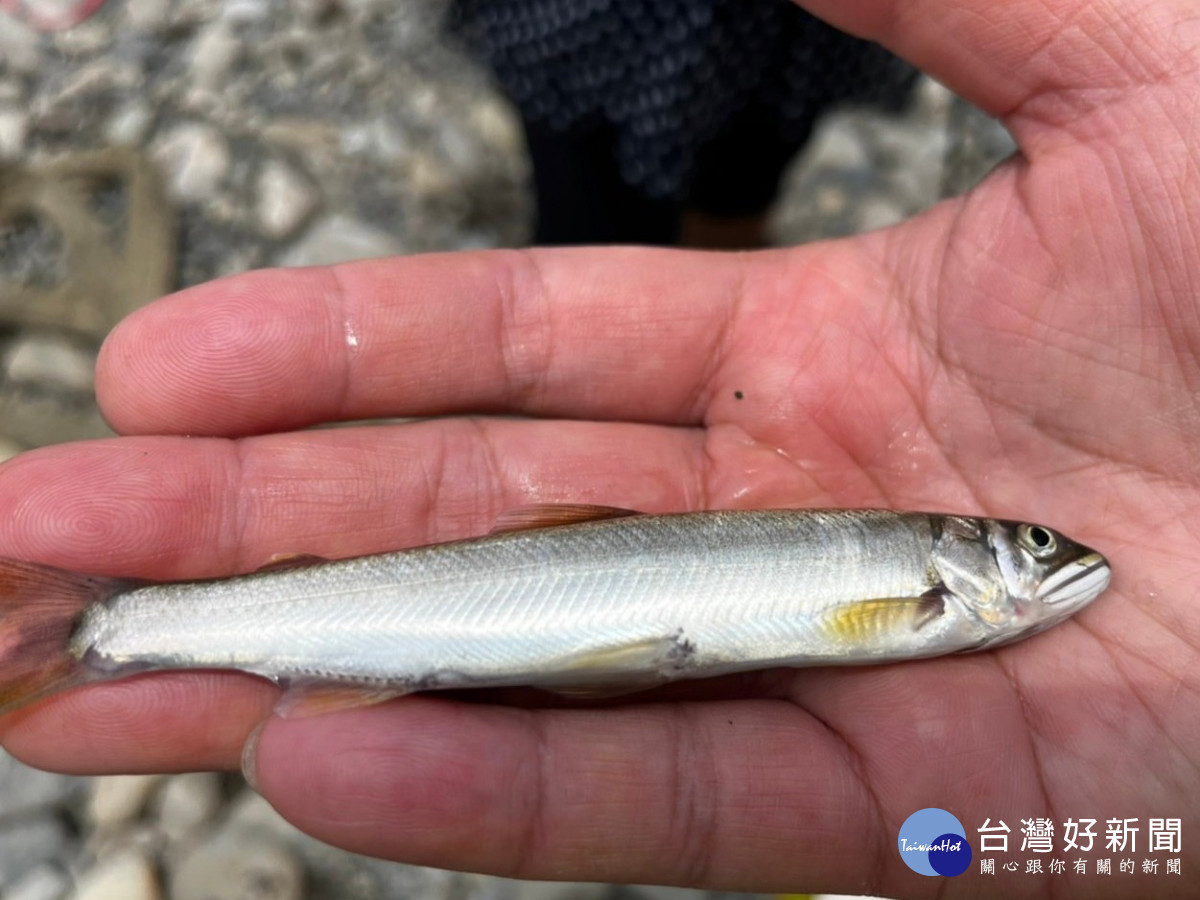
(160, 143)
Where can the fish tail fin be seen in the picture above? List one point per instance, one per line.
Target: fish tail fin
(40, 607)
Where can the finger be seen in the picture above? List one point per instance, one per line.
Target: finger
(752, 795)
(1042, 62)
(720, 794)
(170, 508)
(177, 722)
(614, 334)
(187, 721)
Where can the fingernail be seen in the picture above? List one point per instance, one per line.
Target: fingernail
(250, 755)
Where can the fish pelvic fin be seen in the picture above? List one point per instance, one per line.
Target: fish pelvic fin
(305, 701)
(40, 607)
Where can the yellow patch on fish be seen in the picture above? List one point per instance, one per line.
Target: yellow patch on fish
(871, 620)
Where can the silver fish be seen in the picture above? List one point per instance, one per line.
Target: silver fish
(610, 601)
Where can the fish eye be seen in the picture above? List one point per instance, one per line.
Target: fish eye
(1037, 540)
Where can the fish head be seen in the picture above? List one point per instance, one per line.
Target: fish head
(1014, 578)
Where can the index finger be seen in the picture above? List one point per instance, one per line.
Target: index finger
(620, 333)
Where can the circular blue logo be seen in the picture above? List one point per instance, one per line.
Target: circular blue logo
(933, 842)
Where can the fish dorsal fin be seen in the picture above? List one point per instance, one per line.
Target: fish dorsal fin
(525, 518)
(281, 562)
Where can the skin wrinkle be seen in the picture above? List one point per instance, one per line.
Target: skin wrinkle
(704, 471)
(232, 551)
(341, 318)
(713, 465)
(711, 380)
(491, 463)
(922, 417)
(932, 341)
(875, 826)
(840, 446)
(526, 364)
(1158, 720)
(1114, 660)
(433, 480)
(696, 797)
(1043, 429)
(979, 389)
(1031, 733)
(1171, 303)
(534, 833)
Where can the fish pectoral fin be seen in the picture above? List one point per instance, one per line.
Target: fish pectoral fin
(865, 620)
(305, 701)
(281, 562)
(526, 518)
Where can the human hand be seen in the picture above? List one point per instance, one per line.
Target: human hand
(1027, 351)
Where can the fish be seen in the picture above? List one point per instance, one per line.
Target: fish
(575, 599)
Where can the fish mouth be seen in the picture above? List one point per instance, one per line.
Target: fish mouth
(1077, 583)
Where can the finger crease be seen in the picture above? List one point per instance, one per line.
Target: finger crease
(528, 854)
(876, 828)
(694, 786)
(524, 338)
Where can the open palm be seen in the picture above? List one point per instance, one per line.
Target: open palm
(1028, 351)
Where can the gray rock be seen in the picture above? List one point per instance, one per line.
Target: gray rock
(125, 875)
(377, 139)
(129, 124)
(334, 874)
(21, 48)
(497, 126)
(932, 101)
(117, 800)
(24, 790)
(51, 360)
(186, 802)
(88, 38)
(340, 238)
(14, 123)
(427, 175)
(104, 76)
(34, 419)
(30, 841)
(837, 144)
(8, 449)
(560, 890)
(247, 10)
(44, 882)
(144, 837)
(194, 159)
(238, 864)
(212, 54)
(286, 200)
(148, 15)
(878, 212)
(251, 812)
